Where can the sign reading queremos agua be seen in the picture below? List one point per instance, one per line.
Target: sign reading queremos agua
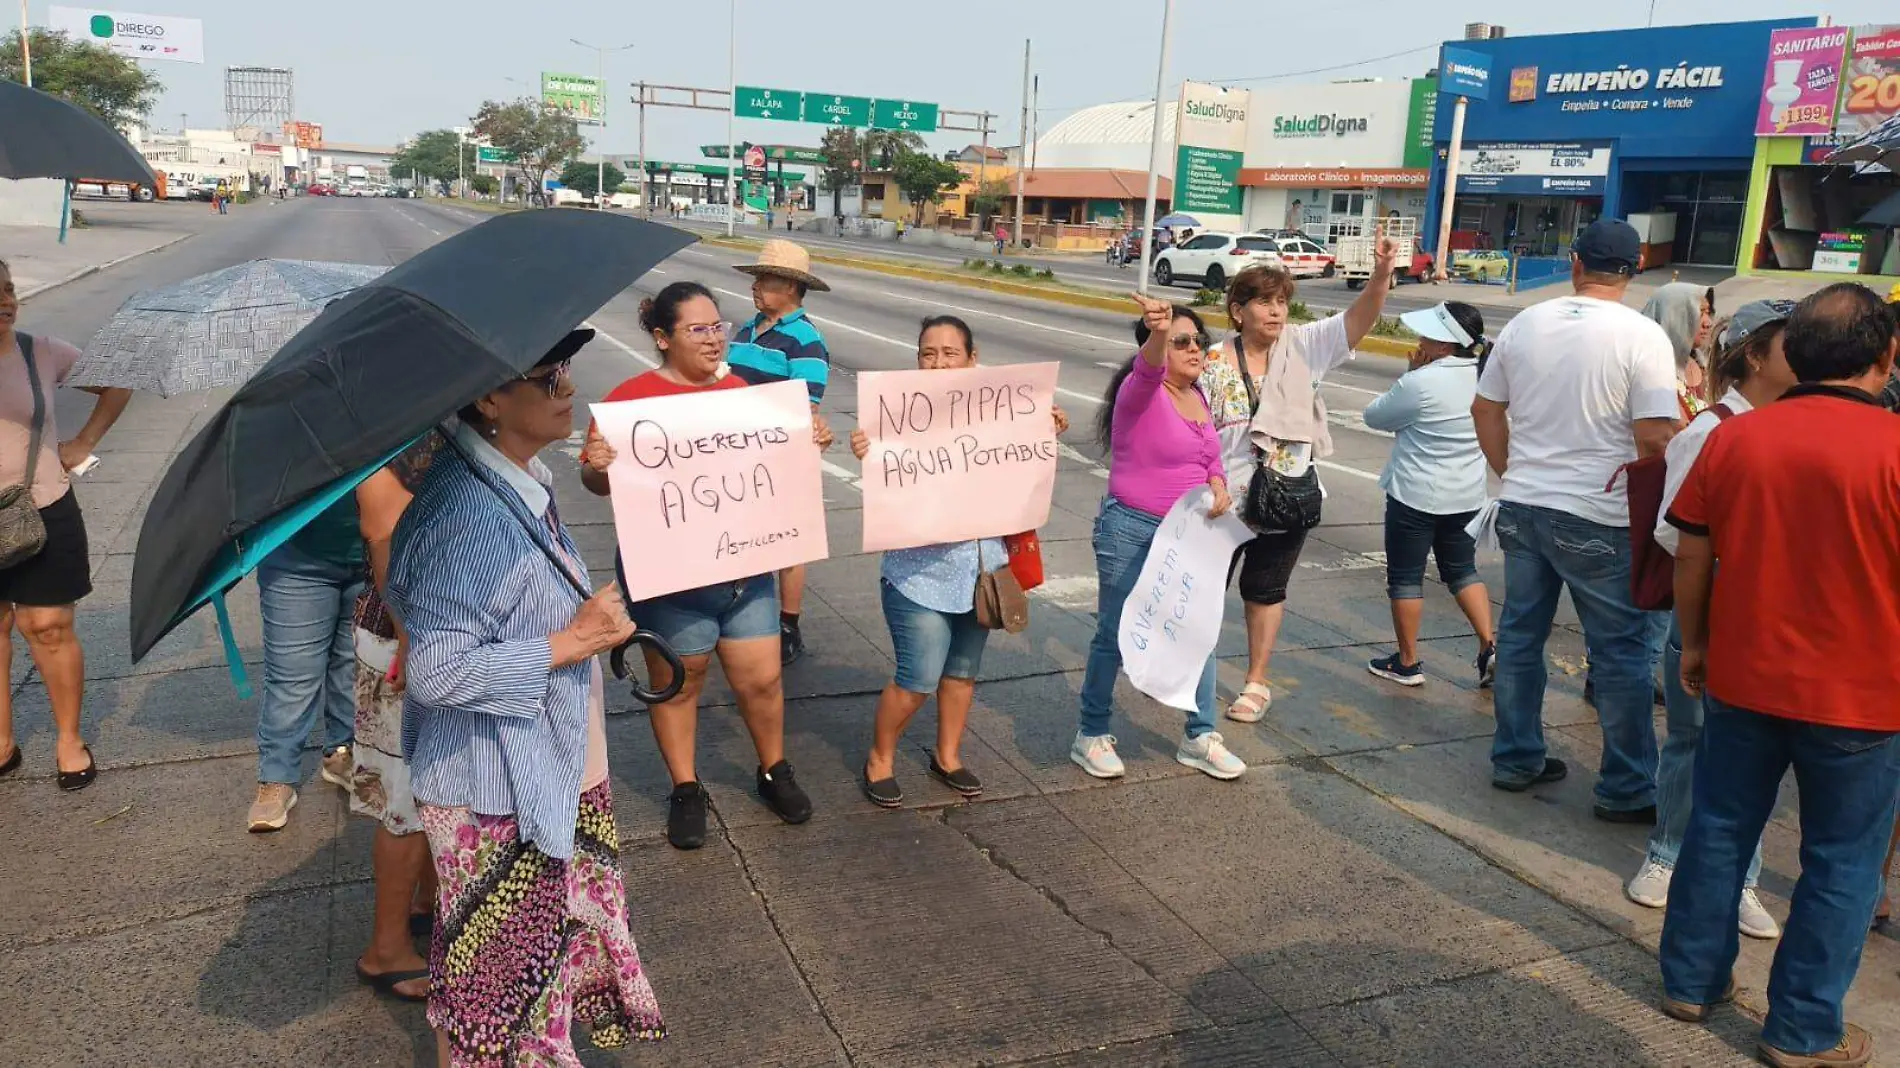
(1556, 168)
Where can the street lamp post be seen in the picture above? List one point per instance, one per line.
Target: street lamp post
(732, 98)
(26, 50)
(1154, 151)
(600, 146)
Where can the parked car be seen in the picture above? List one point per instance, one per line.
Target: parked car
(318, 189)
(1210, 259)
(1481, 265)
(1303, 256)
(202, 189)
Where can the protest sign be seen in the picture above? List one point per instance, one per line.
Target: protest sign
(1172, 618)
(957, 454)
(713, 487)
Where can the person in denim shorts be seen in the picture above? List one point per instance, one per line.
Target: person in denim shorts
(929, 605)
(738, 620)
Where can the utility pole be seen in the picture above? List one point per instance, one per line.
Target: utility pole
(982, 172)
(1442, 268)
(732, 100)
(1035, 118)
(1154, 149)
(600, 120)
(1022, 154)
(26, 50)
(646, 199)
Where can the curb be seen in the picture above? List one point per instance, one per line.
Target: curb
(1377, 346)
(85, 272)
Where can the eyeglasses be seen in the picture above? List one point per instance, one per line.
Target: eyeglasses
(550, 382)
(708, 331)
(1188, 342)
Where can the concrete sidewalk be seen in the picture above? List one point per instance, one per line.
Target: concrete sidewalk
(116, 232)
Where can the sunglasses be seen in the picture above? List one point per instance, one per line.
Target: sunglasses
(1189, 342)
(550, 380)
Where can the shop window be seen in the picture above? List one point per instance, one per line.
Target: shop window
(1812, 220)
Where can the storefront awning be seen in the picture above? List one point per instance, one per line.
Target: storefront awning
(1336, 177)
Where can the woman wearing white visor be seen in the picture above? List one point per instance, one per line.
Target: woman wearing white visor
(1434, 482)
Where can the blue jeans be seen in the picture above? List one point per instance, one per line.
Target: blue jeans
(931, 645)
(1122, 537)
(1546, 552)
(309, 658)
(1846, 781)
(694, 622)
(1675, 771)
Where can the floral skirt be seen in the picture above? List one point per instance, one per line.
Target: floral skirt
(379, 784)
(526, 945)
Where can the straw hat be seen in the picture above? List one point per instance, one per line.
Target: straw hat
(787, 260)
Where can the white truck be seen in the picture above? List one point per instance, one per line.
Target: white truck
(1356, 250)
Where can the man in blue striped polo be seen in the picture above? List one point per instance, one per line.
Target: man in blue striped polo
(780, 344)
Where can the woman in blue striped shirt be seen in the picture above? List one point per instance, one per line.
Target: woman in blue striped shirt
(929, 605)
(503, 728)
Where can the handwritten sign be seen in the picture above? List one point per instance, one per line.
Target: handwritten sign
(1172, 619)
(713, 487)
(956, 455)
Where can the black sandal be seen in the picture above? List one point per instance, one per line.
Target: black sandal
(13, 762)
(884, 793)
(385, 983)
(79, 780)
(960, 780)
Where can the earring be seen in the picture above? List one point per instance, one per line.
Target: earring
(493, 430)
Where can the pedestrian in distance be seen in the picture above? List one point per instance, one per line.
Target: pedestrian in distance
(40, 583)
(1749, 370)
(781, 344)
(505, 733)
(1574, 389)
(928, 596)
(1002, 238)
(1158, 429)
(740, 621)
(1434, 484)
(1790, 532)
(1276, 421)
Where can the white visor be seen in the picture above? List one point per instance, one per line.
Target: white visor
(1436, 323)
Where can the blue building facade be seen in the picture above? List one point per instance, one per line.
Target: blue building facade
(1576, 126)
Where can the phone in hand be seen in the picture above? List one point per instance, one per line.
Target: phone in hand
(91, 461)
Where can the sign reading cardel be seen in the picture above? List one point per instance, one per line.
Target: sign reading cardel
(133, 36)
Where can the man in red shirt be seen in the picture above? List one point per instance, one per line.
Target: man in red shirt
(1792, 642)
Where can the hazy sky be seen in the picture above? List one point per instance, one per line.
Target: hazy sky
(377, 72)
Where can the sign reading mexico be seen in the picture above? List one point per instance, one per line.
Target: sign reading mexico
(957, 455)
(1802, 82)
(130, 35)
(713, 487)
(1210, 140)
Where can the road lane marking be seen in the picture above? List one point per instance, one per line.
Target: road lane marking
(1007, 318)
(642, 357)
(841, 474)
(1343, 469)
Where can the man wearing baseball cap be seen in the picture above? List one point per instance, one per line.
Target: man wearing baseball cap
(1576, 388)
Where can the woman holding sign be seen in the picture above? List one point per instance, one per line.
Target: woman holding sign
(930, 608)
(1160, 435)
(738, 620)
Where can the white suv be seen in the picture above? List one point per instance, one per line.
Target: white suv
(1210, 259)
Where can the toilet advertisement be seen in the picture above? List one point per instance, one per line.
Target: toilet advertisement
(1802, 81)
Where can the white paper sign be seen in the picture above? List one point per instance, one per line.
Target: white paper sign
(1172, 618)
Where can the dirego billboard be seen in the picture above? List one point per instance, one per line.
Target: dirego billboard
(134, 36)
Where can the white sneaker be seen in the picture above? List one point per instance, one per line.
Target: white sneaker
(1756, 923)
(1096, 755)
(1209, 754)
(1650, 888)
(271, 810)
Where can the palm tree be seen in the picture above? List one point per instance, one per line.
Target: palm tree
(881, 147)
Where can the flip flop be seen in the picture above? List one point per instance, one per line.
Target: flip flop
(385, 983)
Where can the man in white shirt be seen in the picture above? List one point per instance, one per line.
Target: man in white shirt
(1576, 388)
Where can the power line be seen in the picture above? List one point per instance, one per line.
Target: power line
(1334, 67)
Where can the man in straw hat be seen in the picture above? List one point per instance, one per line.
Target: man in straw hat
(781, 344)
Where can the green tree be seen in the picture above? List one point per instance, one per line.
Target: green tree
(431, 154)
(541, 138)
(110, 86)
(990, 198)
(923, 178)
(883, 147)
(843, 151)
(485, 184)
(580, 177)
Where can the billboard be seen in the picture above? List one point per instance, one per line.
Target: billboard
(1462, 72)
(1871, 93)
(304, 134)
(583, 98)
(133, 36)
(1802, 82)
(1545, 168)
(1210, 142)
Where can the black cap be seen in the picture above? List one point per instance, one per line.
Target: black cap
(565, 348)
(1609, 246)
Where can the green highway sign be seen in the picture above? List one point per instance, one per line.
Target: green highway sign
(829, 110)
(784, 153)
(484, 154)
(752, 102)
(903, 115)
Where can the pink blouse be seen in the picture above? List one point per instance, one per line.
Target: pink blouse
(1156, 454)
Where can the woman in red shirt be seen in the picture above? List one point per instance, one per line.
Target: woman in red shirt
(739, 620)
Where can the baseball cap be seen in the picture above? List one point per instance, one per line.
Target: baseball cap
(1753, 316)
(1437, 324)
(1610, 246)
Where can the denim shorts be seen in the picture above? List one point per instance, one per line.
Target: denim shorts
(1410, 534)
(931, 644)
(693, 622)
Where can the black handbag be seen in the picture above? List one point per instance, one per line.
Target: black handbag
(1276, 501)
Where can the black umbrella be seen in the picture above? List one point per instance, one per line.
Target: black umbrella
(42, 136)
(373, 372)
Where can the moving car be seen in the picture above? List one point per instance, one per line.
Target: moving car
(1210, 259)
(1481, 265)
(202, 189)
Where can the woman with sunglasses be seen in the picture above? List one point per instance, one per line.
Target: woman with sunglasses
(738, 620)
(1159, 432)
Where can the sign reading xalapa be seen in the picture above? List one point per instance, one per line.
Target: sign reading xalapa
(828, 109)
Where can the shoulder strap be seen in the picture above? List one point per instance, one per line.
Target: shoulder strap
(1721, 412)
(39, 408)
(1253, 391)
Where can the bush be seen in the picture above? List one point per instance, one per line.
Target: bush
(1207, 298)
(1046, 274)
(485, 184)
(1298, 312)
(1023, 270)
(1387, 326)
(996, 267)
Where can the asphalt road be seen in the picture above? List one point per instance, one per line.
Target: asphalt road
(1347, 902)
